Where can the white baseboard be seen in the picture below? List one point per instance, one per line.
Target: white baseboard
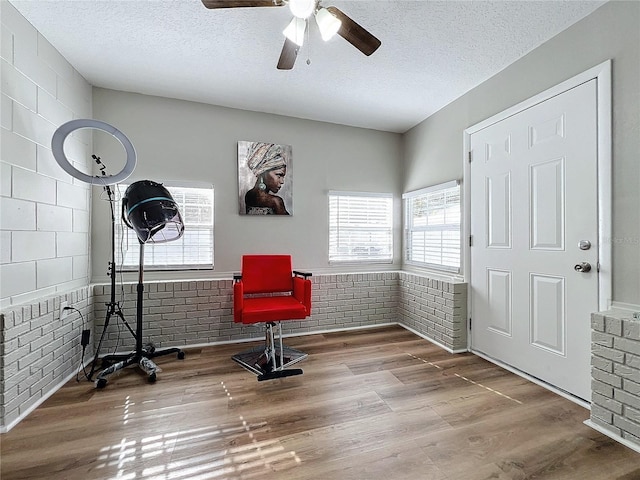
(435, 342)
(537, 381)
(46, 396)
(633, 446)
(290, 335)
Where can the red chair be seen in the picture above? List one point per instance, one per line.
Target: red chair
(269, 291)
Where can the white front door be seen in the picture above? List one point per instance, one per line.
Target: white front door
(533, 203)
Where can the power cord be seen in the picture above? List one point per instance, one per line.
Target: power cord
(84, 341)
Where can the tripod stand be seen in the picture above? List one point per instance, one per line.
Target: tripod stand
(113, 307)
(143, 354)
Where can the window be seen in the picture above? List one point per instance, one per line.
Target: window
(360, 227)
(432, 227)
(194, 250)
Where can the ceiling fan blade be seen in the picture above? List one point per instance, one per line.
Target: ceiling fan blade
(355, 34)
(242, 3)
(288, 55)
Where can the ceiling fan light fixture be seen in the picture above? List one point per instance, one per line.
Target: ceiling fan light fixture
(295, 30)
(302, 8)
(328, 24)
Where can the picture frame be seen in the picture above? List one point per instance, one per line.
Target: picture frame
(265, 178)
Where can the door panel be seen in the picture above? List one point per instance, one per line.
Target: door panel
(547, 205)
(499, 299)
(548, 313)
(533, 198)
(498, 208)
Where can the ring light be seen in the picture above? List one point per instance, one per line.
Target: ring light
(57, 146)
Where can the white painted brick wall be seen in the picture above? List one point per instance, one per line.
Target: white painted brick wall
(434, 308)
(39, 202)
(40, 351)
(615, 374)
(44, 218)
(188, 313)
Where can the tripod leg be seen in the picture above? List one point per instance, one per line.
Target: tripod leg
(101, 380)
(94, 364)
(119, 313)
(148, 367)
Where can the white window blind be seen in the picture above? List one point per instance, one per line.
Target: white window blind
(194, 250)
(360, 227)
(432, 227)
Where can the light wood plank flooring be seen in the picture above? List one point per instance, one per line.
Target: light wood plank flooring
(372, 404)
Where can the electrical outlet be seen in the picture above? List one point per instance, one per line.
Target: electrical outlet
(63, 312)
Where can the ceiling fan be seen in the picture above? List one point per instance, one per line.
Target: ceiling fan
(330, 21)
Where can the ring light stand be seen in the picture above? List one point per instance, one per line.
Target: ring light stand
(57, 146)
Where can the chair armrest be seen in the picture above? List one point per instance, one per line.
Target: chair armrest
(302, 274)
(302, 292)
(238, 300)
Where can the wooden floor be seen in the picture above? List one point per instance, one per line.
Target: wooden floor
(372, 404)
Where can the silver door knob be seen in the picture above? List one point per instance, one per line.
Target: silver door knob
(583, 267)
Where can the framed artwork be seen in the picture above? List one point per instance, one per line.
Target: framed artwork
(265, 179)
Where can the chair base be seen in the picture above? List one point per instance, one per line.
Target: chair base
(279, 374)
(270, 360)
(258, 361)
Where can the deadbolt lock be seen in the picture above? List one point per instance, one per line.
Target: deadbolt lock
(584, 244)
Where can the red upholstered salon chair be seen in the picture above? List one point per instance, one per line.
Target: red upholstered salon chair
(269, 291)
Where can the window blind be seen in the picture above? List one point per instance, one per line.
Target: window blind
(432, 227)
(194, 250)
(360, 227)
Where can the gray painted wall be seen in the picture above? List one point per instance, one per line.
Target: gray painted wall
(433, 149)
(184, 141)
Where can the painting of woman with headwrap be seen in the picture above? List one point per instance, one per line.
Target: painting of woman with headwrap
(265, 178)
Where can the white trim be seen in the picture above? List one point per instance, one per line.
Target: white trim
(433, 267)
(631, 307)
(613, 436)
(431, 274)
(432, 188)
(602, 74)
(360, 194)
(537, 381)
(465, 220)
(605, 183)
(188, 184)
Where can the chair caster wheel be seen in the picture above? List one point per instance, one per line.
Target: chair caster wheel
(101, 383)
(152, 377)
(180, 355)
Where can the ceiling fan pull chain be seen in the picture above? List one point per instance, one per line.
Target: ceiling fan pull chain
(308, 42)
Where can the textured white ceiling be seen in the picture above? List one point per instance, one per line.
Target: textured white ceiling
(432, 52)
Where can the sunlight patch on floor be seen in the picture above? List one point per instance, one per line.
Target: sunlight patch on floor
(166, 456)
(468, 380)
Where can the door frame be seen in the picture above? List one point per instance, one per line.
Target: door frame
(602, 74)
